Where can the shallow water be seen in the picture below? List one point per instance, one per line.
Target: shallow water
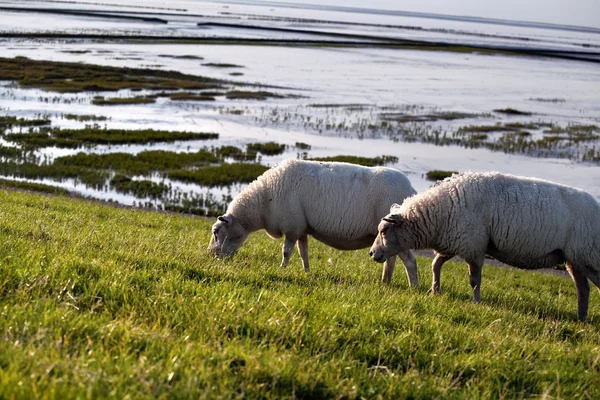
(376, 78)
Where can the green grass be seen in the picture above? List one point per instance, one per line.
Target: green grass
(222, 65)
(219, 175)
(84, 117)
(110, 302)
(117, 101)
(139, 188)
(251, 95)
(303, 146)
(65, 77)
(511, 111)
(33, 187)
(190, 96)
(9, 121)
(438, 175)
(366, 161)
(268, 148)
(445, 116)
(75, 138)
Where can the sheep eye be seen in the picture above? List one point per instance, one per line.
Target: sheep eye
(383, 231)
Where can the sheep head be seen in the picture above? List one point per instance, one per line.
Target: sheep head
(227, 236)
(389, 241)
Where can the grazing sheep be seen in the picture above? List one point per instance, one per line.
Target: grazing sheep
(337, 203)
(524, 222)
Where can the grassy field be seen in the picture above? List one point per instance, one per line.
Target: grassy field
(98, 301)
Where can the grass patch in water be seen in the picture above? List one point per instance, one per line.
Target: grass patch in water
(118, 101)
(138, 188)
(303, 146)
(142, 163)
(221, 175)
(183, 57)
(268, 148)
(84, 117)
(74, 138)
(79, 77)
(251, 95)
(511, 111)
(10, 121)
(479, 136)
(439, 175)
(76, 51)
(222, 65)
(366, 161)
(444, 116)
(190, 96)
(548, 100)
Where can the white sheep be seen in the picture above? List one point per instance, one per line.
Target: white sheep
(339, 204)
(524, 222)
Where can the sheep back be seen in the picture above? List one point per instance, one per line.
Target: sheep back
(337, 203)
(525, 222)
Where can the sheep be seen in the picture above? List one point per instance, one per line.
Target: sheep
(337, 203)
(524, 222)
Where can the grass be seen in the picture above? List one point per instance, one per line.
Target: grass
(117, 101)
(84, 117)
(183, 57)
(110, 302)
(548, 100)
(222, 65)
(251, 95)
(366, 161)
(78, 77)
(444, 116)
(438, 175)
(511, 111)
(94, 135)
(303, 146)
(220, 175)
(139, 188)
(33, 187)
(187, 96)
(9, 121)
(268, 148)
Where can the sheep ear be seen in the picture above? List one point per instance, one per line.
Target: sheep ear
(393, 218)
(224, 218)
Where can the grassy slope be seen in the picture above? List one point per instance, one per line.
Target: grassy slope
(98, 301)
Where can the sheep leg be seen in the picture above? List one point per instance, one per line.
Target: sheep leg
(303, 250)
(475, 279)
(410, 266)
(436, 267)
(388, 270)
(583, 291)
(288, 247)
